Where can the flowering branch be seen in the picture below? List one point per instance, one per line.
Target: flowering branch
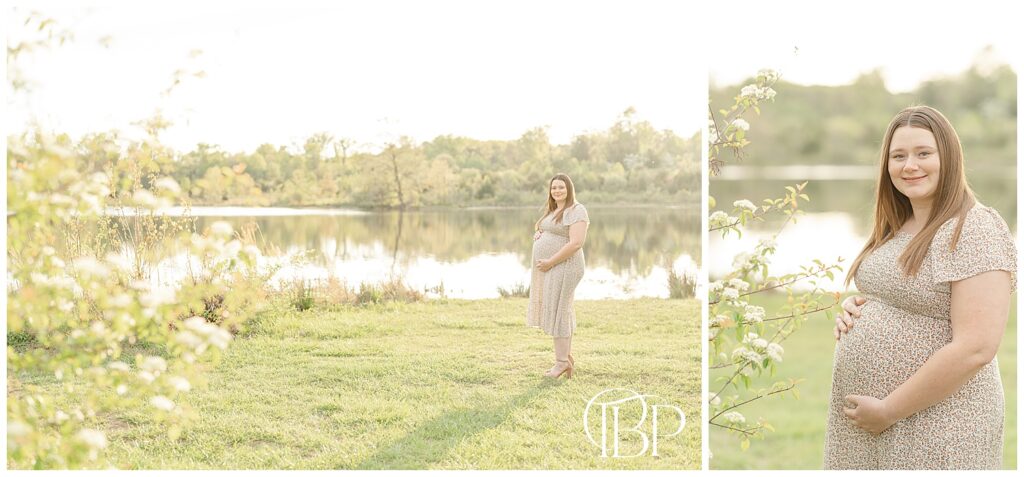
(750, 431)
(753, 354)
(733, 135)
(755, 398)
(822, 270)
(777, 318)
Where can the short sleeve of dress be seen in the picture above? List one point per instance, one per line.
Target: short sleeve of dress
(985, 244)
(577, 213)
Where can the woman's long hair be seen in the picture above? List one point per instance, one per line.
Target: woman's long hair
(570, 199)
(952, 198)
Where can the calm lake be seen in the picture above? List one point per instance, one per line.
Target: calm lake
(470, 252)
(838, 217)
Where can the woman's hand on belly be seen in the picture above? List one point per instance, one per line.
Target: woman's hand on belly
(545, 264)
(851, 310)
(868, 413)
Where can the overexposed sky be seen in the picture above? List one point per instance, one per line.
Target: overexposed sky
(831, 43)
(280, 71)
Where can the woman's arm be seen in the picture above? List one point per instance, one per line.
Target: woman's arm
(577, 235)
(979, 307)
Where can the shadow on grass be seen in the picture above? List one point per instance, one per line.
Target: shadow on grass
(431, 442)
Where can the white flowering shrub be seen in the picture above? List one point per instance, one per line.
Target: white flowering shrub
(90, 336)
(745, 339)
(87, 338)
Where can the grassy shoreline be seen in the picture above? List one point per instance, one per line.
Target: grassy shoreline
(444, 384)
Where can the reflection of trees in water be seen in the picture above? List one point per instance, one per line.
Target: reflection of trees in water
(621, 239)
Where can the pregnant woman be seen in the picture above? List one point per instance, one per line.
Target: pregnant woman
(915, 382)
(557, 269)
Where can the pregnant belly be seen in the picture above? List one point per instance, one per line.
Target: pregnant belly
(547, 245)
(886, 346)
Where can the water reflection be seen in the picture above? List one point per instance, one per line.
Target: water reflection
(470, 252)
(837, 222)
(824, 236)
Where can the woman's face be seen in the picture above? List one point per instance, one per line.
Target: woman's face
(914, 163)
(558, 190)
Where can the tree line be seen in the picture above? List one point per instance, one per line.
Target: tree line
(844, 124)
(631, 162)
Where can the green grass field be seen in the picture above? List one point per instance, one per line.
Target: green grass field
(434, 385)
(799, 438)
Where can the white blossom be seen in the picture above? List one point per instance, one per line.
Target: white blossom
(220, 338)
(157, 297)
(119, 261)
(162, 403)
(760, 93)
(734, 417)
(753, 314)
(231, 250)
(252, 251)
(745, 204)
(221, 228)
(718, 219)
(738, 284)
(740, 259)
(17, 429)
(180, 384)
(741, 124)
(738, 352)
(730, 294)
(168, 184)
(213, 334)
(153, 364)
(61, 416)
(189, 339)
(121, 300)
(92, 438)
(91, 267)
(775, 352)
(767, 75)
(61, 199)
